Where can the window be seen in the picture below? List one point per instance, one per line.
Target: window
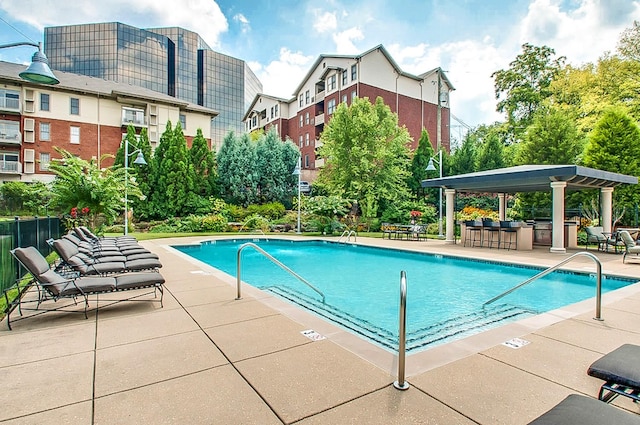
(344, 98)
(306, 136)
(75, 106)
(353, 95)
(276, 108)
(354, 72)
(254, 121)
(183, 121)
(300, 140)
(44, 102)
(300, 120)
(306, 161)
(344, 78)
(332, 83)
(331, 106)
(44, 161)
(9, 99)
(45, 131)
(272, 112)
(306, 118)
(307, 97)
(301, 100)
(75, 135)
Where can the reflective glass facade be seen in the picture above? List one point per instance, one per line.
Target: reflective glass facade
(172, 61)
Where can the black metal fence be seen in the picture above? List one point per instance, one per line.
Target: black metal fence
(22, 233)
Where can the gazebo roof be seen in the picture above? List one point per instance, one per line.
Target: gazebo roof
(531, 178)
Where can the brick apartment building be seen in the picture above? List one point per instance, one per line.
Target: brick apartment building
(86, 116)
(421, 101)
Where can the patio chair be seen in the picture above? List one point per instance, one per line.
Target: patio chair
(595, 236)
(493, 232)
(508, 228)
(579, 409)
(630, 246)
(132, 251)
(54, 286)
(74, 260)
(473, 228)
(619, 370)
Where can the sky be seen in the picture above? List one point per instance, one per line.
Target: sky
(280, 39)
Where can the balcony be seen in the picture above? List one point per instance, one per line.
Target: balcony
(319, 119)
(135, 117)
(10, 133)
(319, 97)
(10, 167)
(9, 104)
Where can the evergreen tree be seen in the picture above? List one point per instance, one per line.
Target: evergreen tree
(158, 180)
(490, 154)
(463, 159)
(203, 161)
(419, 163)
(237, 168)
(275, 161)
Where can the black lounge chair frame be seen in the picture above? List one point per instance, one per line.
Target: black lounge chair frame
(582, 410)
(619, 370)
(52, 285)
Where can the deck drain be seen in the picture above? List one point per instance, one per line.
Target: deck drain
(515, 343)
(312, 335)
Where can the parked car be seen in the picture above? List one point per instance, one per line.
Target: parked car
(305, 187)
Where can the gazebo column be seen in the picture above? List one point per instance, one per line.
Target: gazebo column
(557, 244)
(606, 205)
(450, 197)
(502, 210)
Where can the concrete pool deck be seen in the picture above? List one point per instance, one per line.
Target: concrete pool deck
(208, 358)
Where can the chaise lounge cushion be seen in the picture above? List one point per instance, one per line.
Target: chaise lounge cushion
(581, 410)
(619, 366)
(138, 280)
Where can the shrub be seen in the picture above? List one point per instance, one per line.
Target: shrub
(214, 223)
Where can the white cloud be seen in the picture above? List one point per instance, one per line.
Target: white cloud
(243, 21)
(280, 77)
(345, 41)
(325, 22)
(582, 34)
(201, 16)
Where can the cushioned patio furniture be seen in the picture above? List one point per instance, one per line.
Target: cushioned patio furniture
(581, 410)
(54, 286)
(619, 369)
(595, 236)
(74, 260)
(630, 246)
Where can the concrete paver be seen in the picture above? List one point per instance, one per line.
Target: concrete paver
(208, 358)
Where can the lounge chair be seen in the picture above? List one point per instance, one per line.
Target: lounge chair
(630, 246)
(134, 250)
(55, 286)
(595, 236)
(619, 370)
(578, 409)
(74, 260)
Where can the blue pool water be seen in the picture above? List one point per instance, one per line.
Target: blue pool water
(361, 286)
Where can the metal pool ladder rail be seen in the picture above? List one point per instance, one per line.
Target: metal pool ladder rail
(348, 233)
(553, 268)
(273, 260)
(401, 384)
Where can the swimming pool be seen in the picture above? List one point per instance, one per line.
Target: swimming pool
(361, 286)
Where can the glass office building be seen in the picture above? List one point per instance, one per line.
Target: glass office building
(172, 61)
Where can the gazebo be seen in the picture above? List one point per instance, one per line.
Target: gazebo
(533, 178)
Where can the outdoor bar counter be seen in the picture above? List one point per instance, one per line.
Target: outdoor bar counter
(523, 236)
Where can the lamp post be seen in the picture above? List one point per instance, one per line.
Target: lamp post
(431, 167)
(39, 71)
(297, 171)
(138, 161)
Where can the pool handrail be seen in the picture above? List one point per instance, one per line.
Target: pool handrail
(348, 233)
(553, 268)
(273, 260)
(401, 384)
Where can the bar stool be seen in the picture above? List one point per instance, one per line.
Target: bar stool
(507, 229)
(473, 228)
(493, 232)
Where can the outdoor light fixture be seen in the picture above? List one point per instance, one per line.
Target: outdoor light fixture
(39, 71)
(138, 161)
(297, 171)
(431, 167)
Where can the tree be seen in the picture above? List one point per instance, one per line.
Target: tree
(552, 138)
(614, 145)
(629, 42)
(366, 155)
(490, 152)
(419, 163)
(275, 162)
(237, 168)
(203, 161)
(158, 181)
(522, 87)
(463, 159)
(82, 184)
